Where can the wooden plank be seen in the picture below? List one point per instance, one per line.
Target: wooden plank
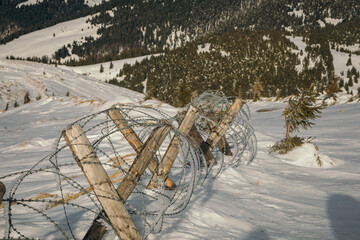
(142, 161)
(223, 126)
(2, 191)
(173, 150)
(222, 143)
(100, 183)
(196, 136)
(96, 231)
(134, 140)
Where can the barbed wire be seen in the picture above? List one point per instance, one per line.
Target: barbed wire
(61, 196)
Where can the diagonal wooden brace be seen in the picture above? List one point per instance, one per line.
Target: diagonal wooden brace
(222, 143)
(142, 160)
(173, 149)
(100, 182)
(222, 127)
(133, 139)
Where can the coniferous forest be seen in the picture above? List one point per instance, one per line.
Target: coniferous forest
(234, 46)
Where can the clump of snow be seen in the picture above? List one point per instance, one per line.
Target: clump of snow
(204, 49)
(333, 21)
(29, 2)
(307, 156)
(92, 3)
(321, 23)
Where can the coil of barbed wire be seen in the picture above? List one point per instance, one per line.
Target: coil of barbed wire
(64, 198)
(70, 190)
(239, 144)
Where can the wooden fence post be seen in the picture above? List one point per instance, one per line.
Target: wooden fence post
(142, 160)
(196, 136)
(221, 129)
(173, 149)
(222, 143)
(133, 139)
(100, 183)
(2, 191)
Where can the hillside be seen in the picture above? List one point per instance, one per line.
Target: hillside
(275, 197)
(143, 26)
(52, 84)
(236, 62)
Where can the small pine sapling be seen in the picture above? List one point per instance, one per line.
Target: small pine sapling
(299, 112)
(257, 88)
(27, 98)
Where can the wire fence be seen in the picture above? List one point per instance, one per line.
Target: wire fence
(53, 200)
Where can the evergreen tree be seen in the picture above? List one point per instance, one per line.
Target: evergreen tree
(298, 113)
(101, 68)
(26, 98)
(183, 94)
(350, 82)
(331, 90)
(348, 63)
(256, 90)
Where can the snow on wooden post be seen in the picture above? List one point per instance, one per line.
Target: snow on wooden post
(223, 126)
(2, 191)
(100, 183)
(142, 160)
(173, 149)
(133, 139)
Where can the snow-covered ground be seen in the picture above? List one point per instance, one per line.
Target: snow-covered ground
(340, 61)
(108, 73)
(272, 198)
(44, 81)
(90, 3)
(46, 41)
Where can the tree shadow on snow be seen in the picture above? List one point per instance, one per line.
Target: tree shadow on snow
(344, 214)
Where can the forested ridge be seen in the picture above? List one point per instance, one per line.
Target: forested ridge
(240, 47)
(236, 63)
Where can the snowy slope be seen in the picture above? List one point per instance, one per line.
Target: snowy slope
(46, 41)
(340, 60)
(90, 3)
(269, 199)
(44, 81)
(108, 74)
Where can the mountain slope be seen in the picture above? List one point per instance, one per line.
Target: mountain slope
(270, 199)
(47, 82)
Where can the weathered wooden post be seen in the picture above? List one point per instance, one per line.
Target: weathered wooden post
(2, 191)
(223, 126)
(197, 138)
(222, 143)
(133, 139)
(142, 160)
(100, 183)
(173, 150)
